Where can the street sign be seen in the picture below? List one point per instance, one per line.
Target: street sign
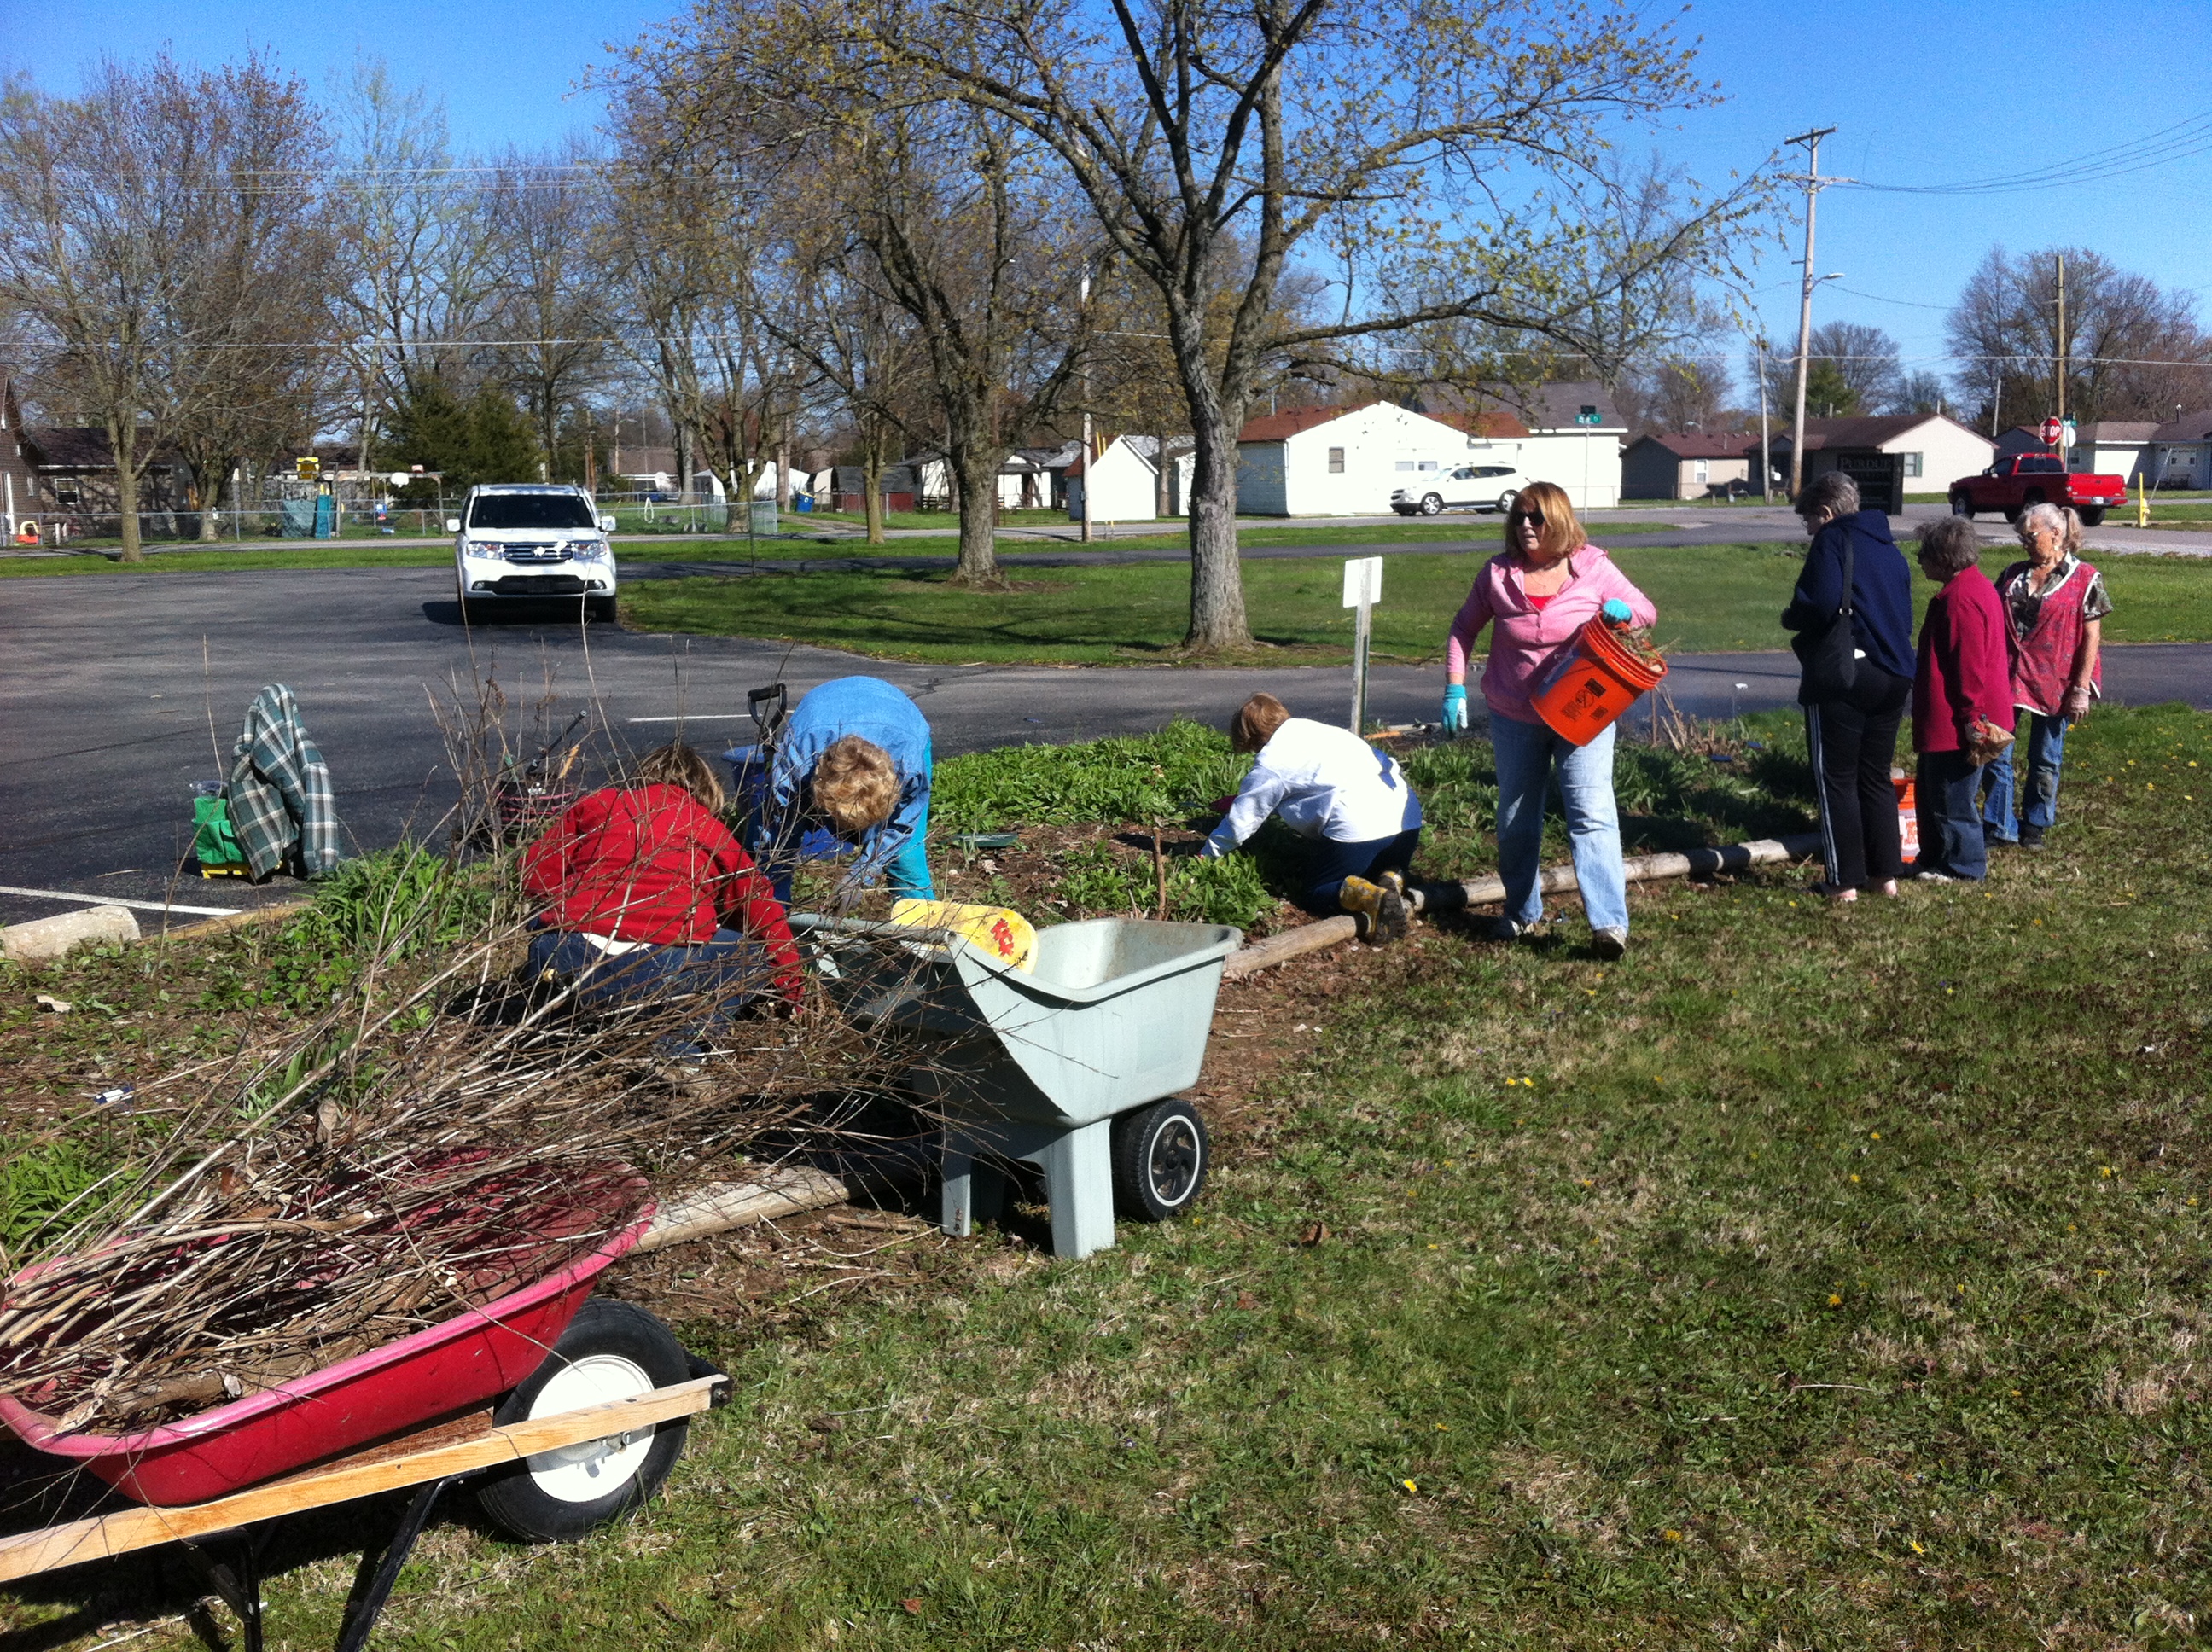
(2051, 431)
(1363, 589)
(306, 468)
(1587, 416)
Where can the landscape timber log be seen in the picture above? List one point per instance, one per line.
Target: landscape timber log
(43, 938)
(214, 927)
(1281, 947)
(722, 1206)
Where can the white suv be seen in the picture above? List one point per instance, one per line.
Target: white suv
(1464, 488)
(529, 541)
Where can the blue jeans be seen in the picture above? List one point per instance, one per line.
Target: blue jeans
(1333, 862)
(729, 971)
(1528, 756)
(2044, 740)
(1945, 786)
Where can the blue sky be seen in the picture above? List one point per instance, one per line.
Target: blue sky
(1929, 93)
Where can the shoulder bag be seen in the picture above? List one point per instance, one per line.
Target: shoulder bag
(1829, 658)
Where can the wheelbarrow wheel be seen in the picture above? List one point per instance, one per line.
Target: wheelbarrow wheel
(1160, 1159)
(610, 1350)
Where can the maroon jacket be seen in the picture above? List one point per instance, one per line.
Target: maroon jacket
(1965, 668)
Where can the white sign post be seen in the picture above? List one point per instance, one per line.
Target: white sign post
(1363, 589)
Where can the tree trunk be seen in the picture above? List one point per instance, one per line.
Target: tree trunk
(872, 491)
(783, 469)
(1217, 576)
(1163, 492)
(122, 444)
(976, 475)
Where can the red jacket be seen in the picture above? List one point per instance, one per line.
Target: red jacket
(1965, 668)
(649, 864)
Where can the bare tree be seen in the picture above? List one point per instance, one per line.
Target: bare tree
(548, 310)
(1378, 137)
(421, 280)
(146, 233)
(1676, 392)
(2134, 350)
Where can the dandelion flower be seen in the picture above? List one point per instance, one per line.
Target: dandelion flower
(1834, 1301)
(1916, 1549)
(1410, 1486)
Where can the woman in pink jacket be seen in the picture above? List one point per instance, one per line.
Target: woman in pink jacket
(1536, 595)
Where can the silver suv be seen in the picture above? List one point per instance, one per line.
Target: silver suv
(529, 541)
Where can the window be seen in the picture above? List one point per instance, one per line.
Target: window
(2037, 464)
(1465, 473)
(1494, 470)
(1912, 464)
(1701, 471)
(1405, 465)
(527, 510)
(1336, 461)
(1428, 464)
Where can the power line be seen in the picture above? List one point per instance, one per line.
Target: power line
(2185, 138)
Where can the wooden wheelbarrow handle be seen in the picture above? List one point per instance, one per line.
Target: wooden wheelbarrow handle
(362, 1475)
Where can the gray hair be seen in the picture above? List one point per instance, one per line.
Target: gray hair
(1947, 546)
(2036, 518)
(1831, 494)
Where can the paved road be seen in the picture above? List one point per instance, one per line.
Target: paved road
(107, 703)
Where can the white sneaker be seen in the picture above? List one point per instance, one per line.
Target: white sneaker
(1933, 877)
(1610, 945)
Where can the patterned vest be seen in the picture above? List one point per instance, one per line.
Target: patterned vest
(2043, 656)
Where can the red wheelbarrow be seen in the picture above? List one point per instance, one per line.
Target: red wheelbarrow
(566, 1412)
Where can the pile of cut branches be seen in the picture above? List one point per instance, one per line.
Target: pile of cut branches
(442, 1133)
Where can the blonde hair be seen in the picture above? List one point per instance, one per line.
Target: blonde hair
(678, 764)
(1256, 721)
(855, 784)
(1561, 533)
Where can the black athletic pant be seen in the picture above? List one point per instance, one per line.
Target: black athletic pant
(1853, 741)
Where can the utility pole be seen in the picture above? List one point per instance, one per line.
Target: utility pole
(1812, 183)
(1088, 457)
(2059, 363)
(1765, 451)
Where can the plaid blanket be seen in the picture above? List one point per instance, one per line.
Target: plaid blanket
(282, 806)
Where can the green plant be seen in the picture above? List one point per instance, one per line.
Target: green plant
(1129, 780)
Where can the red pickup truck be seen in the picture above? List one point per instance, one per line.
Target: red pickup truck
(2011, 485)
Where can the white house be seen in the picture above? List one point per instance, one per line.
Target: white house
(1339, 461)
(1124, 480)
(1568, 433)
(1936, 448)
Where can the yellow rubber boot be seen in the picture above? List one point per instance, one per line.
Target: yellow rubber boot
(1381, 911)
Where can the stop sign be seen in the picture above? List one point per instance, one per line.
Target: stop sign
(2052, 431)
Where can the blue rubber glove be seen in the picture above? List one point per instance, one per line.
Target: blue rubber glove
(1617, 613)
(1455, 713)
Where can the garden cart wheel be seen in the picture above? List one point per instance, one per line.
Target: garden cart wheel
(610, 1350)
(1160, 1158)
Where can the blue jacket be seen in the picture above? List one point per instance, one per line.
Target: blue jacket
(876, 711)
(1881, 590)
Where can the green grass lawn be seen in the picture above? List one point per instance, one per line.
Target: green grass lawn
(1710, 598)
(1814, 1276)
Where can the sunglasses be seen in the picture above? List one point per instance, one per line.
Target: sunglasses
(1534, 519)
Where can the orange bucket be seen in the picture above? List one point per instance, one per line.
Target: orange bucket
(1591, 682)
